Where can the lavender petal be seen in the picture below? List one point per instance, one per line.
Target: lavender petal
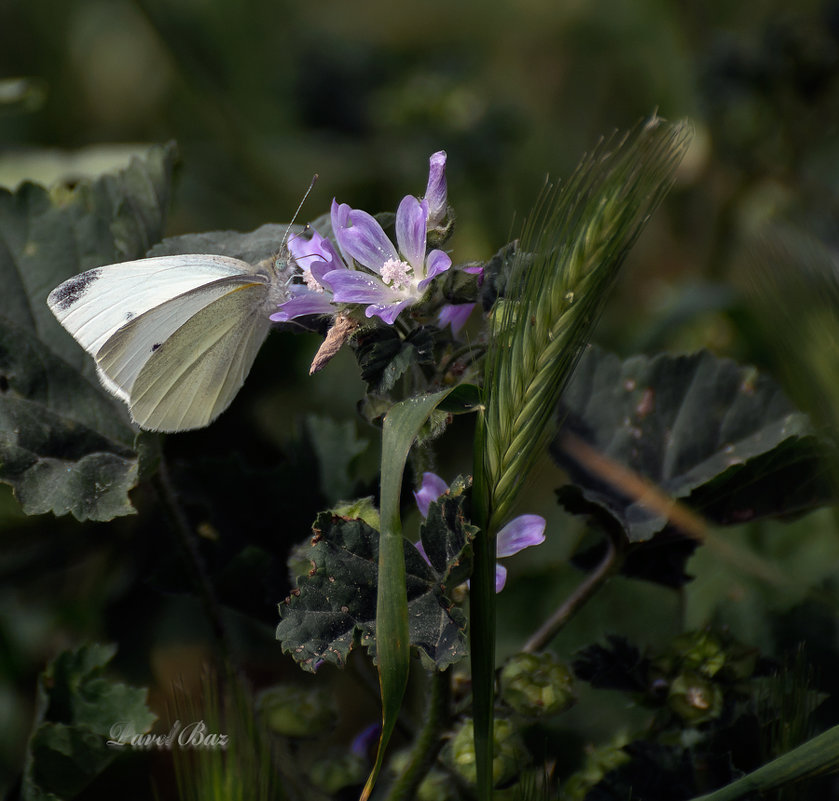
(437, 262)
(431, 488)
(308, 303)
(350, 286)
(410, 230)
(387, 312)
(361, 237)
(435, 192)
(455, 315)
(521, 532)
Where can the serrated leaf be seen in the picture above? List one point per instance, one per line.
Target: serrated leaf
(383, 356)
(446, 537)
(65, 444)
(334, 607)
(699, 428)
(77, 707)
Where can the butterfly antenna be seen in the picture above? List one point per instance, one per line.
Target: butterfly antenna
(300, 206)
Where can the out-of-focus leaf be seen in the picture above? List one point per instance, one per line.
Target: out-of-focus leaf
(618, 666)
(250, 246)
(22, 95)
(816, 756)
(702, 429)
(336, 445)
(78, 710)
(654, 772)
(334, 606)
(65, 444)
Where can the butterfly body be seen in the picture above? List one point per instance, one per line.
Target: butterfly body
(173, 336)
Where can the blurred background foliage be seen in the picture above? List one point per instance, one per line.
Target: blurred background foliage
(259, 95)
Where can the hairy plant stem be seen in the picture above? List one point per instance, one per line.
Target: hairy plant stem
(429, 740)
(194, 563)
(574, 602)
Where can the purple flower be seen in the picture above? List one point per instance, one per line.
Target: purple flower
(455, 315)
(435, 192)
(520, 533)
(399, 276)
(316, 257)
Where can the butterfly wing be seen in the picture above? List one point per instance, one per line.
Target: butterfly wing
(94, 305)
(125, 353)
(194, 374)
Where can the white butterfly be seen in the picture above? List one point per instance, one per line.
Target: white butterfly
(173, 336)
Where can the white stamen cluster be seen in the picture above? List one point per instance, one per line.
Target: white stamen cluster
(396, 273)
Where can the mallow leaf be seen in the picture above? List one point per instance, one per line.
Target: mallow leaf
(719, 436)
(65, 444)
(252, 246)
(334, 606)
(78, 711)
(384, 356)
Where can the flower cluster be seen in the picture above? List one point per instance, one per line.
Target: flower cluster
(520, 533)
(367, 268)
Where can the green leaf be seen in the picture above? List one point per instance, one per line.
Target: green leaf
(334, 606)
(446, 536)
(77, 708)
(336, 445)
(251, 246)
(703, 429)
(383, 356)
(402, 426)
(65, 444)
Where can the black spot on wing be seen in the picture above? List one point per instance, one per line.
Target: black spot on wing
(155, 346)
(129, 316)
(72, 291)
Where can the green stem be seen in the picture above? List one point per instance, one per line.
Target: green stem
(572, 604)
(428, 742)
(482, 623)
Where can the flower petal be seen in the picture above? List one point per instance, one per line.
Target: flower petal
(320, 269)
(351, 286)
(435, 192)
(500, 577)
(431, 488)
(361, 237)
(387, 313)
(410, 231)
(308, 303)
(422, 553)
(521, 532)
(316, 248)
(437, 262)
(455, 315)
